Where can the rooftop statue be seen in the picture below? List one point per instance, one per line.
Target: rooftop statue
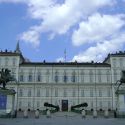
(5, 77)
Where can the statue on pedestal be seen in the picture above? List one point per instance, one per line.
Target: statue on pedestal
(5, 77)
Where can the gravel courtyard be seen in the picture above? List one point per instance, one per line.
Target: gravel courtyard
(62, 119)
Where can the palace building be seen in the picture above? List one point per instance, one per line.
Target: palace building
(63, 83)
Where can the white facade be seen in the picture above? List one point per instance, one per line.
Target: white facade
(40, 82)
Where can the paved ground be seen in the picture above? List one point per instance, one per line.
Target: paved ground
(62, 119)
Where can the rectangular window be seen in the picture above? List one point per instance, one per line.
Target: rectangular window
(30, 78)
(108, 92)
(20, 92)
(38, 104)
(20, 104)
(38, 92)
(82, 93)
(21, 78)
(56, 92)
(74, 93)
(91, 92)
(100, 93)
(65, 92)
(29, 92)
(47, 92)
(29, 104)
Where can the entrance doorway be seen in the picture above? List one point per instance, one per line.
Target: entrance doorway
(64, 105)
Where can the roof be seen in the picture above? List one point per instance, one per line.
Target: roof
(64, 64)
(117, 54)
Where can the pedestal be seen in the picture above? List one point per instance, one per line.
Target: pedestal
(120, 103)
(7, 98)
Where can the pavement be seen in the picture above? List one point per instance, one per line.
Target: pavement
(62, 118)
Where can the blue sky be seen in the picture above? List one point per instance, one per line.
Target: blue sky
(87, 29)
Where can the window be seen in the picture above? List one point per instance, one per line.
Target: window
(99, 76)
(56, 77)
(6, 61)
(20, 104)
(38, 92)
(115, 75)
(47, 92)
(65, 79)
(21, 78)
(39, 77)
(74, 93)
(108, 92)
(0, 61)
(30, 77)
(100, 93)
(38, 104)
(91, 75)
(121, 62)
(100, 104)
(82, 76)
(29, 104)
(73, 78)
(65, 92)
(108, 76)
(114, 62)
(20, 92)
(47, 76)
(29, 92)
(82, 93)
(56, 92)
(14, 61)
(91, 92)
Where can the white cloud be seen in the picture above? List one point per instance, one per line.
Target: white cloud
(101, 50)
(97, 28)
(60, 59)
(55, 17)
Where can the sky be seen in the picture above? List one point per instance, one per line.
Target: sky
(80, 30)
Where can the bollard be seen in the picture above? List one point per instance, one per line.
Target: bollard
(94, 114)
(83, 113)
(37, 114)
(48, 114)
(25, 114)
(106, 114)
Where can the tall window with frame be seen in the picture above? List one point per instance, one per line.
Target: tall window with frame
(0, 61)
(20, 92)
(99, 76)
(38, 77)
(56, 76)
(91, 76)
(47, 75)
(38, 92)
(82, 93)
(73, 78)
(65, 92)
(30, 77)
(6, 61)
(56, 92)
(14, 61)
(29, 92)
(108, 76)
(115, 75)
(65, 78)
(82, 76)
